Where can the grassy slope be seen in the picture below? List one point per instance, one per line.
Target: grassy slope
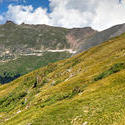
(70, 92)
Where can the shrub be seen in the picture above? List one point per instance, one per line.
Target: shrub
(114, 69)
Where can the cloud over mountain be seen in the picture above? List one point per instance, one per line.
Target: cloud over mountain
(70, 13)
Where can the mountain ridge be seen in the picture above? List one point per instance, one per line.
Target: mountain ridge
(102, 36)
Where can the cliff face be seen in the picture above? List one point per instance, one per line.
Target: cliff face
(77, 36)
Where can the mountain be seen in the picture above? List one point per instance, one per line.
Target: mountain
(100, 37)
(28, 39)
(24, 39)
(86, 89)
(24, 48)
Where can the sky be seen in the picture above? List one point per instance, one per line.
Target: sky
(98, 14)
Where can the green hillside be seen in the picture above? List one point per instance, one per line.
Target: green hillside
(87, 89)
(13, 69)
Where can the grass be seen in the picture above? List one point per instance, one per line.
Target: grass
(66, 94)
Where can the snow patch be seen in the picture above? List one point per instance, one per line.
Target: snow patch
(63, 50)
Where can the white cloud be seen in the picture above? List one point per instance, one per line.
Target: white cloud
(72, 13)
(1, 18)
(27, 14)
(99, 14)
(109, 13)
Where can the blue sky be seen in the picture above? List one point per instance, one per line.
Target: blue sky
(35, 3)
(98, 14)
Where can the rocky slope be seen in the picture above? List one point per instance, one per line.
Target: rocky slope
(87, 89)
(102, 36)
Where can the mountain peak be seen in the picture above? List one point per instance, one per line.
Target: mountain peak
(9, 22)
